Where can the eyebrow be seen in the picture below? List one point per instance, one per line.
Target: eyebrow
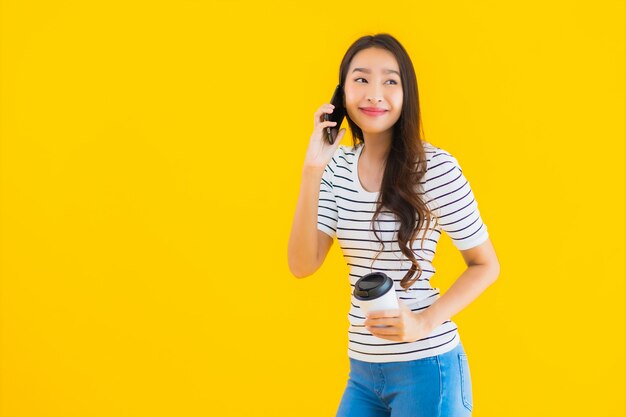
(367, 71)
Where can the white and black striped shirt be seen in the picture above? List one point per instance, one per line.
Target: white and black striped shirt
(346, 209)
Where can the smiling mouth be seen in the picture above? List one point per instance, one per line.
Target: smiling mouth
(371, 112)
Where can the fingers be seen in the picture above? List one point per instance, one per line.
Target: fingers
(385, 331)
(325, 124)
(383, 313)
(324, 108)
(382, 321)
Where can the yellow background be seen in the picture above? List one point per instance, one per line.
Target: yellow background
(151, 156)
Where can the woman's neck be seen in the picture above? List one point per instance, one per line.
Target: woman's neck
(376, 149)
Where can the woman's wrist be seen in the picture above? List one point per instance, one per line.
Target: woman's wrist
(312, 170)
(426, 321)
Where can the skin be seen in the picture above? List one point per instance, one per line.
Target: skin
(377, 88)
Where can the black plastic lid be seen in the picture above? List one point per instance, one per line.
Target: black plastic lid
(371, 286)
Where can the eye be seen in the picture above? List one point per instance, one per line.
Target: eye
(360, 78)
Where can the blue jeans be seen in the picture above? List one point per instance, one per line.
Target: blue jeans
(437, 386)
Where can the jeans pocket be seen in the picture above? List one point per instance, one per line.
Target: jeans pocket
(466, 382)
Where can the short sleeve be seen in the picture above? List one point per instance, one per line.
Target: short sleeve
(451, 196)
(327, 206)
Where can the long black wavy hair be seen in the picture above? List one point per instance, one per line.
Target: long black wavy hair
(406, 162)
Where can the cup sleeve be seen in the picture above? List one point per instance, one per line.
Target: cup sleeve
(450, 194)
(327, 206)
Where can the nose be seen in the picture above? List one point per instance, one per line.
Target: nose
(374, 93)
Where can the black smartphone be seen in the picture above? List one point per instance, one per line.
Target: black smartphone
(338, 114)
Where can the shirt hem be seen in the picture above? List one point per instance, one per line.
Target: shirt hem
(405, 357)
(482, 238)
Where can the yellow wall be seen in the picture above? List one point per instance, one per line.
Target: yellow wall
(150, 159)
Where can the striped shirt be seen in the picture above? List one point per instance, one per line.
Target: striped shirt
(345, 210)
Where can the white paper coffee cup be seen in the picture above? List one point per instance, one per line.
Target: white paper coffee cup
(375, 292)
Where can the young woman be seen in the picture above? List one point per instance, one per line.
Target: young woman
(387, 199)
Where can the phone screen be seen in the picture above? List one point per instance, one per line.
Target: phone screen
(338, 114)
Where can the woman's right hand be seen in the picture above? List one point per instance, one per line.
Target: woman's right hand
(320, 152)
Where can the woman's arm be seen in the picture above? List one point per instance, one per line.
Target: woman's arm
(303, 241)
(482, 270)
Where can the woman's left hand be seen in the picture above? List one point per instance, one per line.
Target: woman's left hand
(402, 325)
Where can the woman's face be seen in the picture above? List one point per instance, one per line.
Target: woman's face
(373, 81)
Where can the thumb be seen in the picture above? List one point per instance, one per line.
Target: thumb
(339, 137)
